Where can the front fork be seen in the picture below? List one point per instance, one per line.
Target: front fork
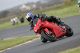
(47, 31)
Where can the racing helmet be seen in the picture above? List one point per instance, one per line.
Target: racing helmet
(29, 16)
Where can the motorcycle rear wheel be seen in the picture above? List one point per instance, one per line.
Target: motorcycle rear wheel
(69, 31)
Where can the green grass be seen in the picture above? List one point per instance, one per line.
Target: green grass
(61, 10)
(74, 50)
(8, 25)
(64, 11)
(14, 41)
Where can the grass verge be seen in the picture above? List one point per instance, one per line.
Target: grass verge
(8, 25)
(74, 50)
(61, 10)
(64, 11)
(14, 41)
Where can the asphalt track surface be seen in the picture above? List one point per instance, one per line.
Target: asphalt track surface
(20, 31)
(53, 47)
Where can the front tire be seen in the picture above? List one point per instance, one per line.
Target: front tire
(43, 39)
(48, 37)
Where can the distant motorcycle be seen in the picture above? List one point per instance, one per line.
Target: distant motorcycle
(51, 31)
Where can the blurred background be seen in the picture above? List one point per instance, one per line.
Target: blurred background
(19, 8)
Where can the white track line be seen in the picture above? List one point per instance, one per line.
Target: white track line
(19, 45)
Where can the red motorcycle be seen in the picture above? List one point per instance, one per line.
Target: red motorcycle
(51, 31)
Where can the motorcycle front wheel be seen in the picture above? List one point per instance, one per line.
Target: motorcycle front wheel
(48, 37)
(43, 39)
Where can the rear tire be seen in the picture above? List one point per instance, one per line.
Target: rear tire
(69, 31)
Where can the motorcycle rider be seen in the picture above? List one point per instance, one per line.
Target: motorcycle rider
(30, 17)
(54, 19)
(50, 18)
